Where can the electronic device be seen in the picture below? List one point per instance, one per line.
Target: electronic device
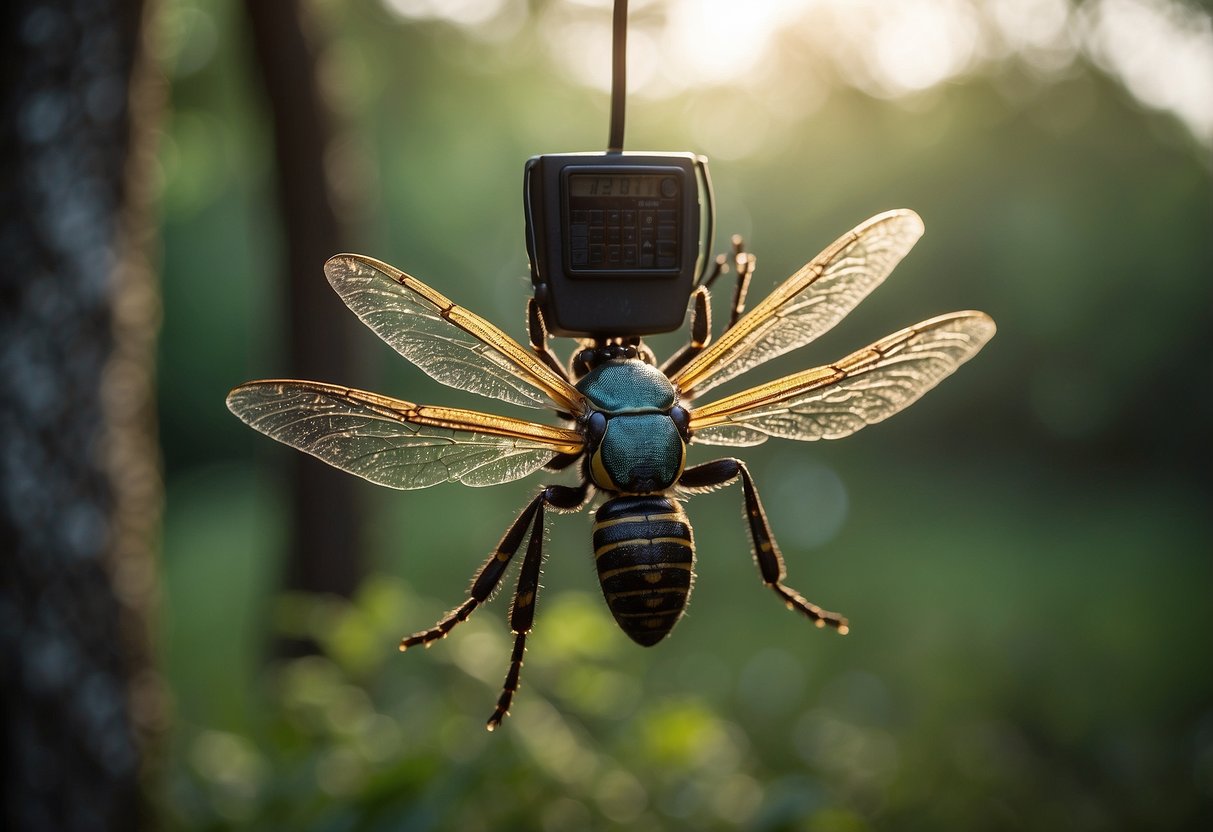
(616, 240)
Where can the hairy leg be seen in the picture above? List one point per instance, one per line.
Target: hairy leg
(766, 551)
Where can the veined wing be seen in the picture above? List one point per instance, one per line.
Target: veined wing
(396, 443)
(838, 399)
(808, 303)
(449, 343)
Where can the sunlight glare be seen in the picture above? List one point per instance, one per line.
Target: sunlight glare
(916, 44)
(1162, 51)
(716, 41)
(582, 47)
(1033, 24)
(459, 12)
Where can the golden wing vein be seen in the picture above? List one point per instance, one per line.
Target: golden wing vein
(808, 303)
(446, 341)
(397, 443)
(865, 387)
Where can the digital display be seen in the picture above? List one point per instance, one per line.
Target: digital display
(622, 185)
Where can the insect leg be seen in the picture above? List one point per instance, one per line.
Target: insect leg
(719, 267)
(538, 332)
(744, 263)
(701, 321)
(522, 613)
(561, 461)
(489, 576)
(766, 550)
(701, 330)
(485, 582)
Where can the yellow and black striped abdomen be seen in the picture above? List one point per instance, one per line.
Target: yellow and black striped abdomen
(645, 553)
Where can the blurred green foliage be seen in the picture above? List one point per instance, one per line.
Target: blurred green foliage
(1024, 556)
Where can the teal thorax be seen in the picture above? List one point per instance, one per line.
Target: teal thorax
(635, 444)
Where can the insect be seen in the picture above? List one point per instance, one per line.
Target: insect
(627, 422)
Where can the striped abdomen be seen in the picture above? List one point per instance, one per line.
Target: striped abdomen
(645, 554)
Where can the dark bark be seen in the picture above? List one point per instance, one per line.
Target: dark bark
(325, 545)
(79, 471)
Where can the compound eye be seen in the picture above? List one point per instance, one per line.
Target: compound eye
(595, 429)
(682, 421)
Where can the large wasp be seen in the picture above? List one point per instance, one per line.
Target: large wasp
(627, 421)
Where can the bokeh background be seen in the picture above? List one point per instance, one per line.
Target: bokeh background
(1024, 556)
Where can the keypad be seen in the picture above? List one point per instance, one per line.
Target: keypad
(617, 233)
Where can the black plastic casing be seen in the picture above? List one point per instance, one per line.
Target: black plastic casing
(614, 264)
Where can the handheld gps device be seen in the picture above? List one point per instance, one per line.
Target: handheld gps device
(616, 240)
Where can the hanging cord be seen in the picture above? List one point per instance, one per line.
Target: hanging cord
(619, 75)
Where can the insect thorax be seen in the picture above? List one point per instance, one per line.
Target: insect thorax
(645, 554)
(627, 386)
(635, 446)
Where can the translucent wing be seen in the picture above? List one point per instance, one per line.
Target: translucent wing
(396, 443)
(836, 400)
(446, 341)
(808, 303)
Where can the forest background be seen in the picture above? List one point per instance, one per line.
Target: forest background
(1024, 556)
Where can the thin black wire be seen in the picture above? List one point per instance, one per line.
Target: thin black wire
(619, 75)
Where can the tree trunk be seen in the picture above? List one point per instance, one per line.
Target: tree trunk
(80, 487)
(325, 544)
